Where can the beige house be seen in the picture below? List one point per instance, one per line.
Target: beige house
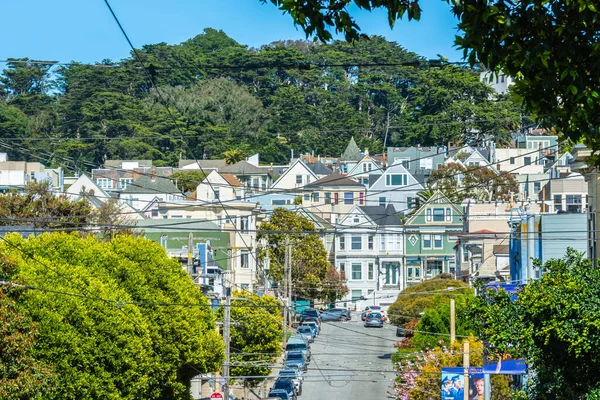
(333, 196)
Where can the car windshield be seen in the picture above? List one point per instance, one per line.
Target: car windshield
(374, 315)
(283, 384)
(304, 329)
(287, 372)
(295, 356)
(295, 346)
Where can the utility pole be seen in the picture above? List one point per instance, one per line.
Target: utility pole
(289, 278)
(190, 261)
(466, 364)
(226, 340)
(285, 289)
(452, 322)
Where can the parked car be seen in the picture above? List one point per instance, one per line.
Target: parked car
(286, 384)
(314, 326)
(294, 376)
(279, 394)
(307, 332)
(368, 309)
(298, 343)
(295, 359)
(374, 319)
(344, 312)
(310, 313)
(333, 316)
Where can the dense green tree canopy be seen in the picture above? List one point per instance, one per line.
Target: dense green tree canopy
(105, 326)
(214, 94)
(553, 323)
(414, 300)
(256, 334)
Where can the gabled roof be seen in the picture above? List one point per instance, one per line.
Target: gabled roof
(393, 169)
(437, 195)
(232, 180)
(319, 168)
(243, 168)
(145, 185)
(205, 164)
(355, 170)
(383, 215)
(288, 170)
(335, 180)
(352, 152)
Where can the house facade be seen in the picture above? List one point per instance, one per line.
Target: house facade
(219, 187)
(568, 194)
(366, 168)
(255, 180)
(369, 251)
(333, 196)
(147, 189)
(417, 160)
(296, 176)
(430, 236)
(396, 187)
(239, 219)
(14, 175)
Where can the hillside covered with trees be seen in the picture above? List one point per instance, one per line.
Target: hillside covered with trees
(215, 94)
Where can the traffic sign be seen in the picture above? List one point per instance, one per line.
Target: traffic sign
(216, 395)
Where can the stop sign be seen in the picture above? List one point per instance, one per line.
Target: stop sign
(216, 395)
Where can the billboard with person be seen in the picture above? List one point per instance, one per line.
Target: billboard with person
(453, 384)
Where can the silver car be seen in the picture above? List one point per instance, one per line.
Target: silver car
(374, 319)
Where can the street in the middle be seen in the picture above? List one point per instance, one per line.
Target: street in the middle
(350, 362)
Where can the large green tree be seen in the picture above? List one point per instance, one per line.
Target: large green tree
(553, 323)
(311, 278)
(115, 319)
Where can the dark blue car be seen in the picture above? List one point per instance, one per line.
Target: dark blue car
(296, 359)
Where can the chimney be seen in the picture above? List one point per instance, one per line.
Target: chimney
(366, 152)
(153, 175)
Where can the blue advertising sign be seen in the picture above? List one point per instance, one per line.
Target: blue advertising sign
(505, 367)
(453, 384)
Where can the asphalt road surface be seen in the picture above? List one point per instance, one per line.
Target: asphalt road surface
(350, 362)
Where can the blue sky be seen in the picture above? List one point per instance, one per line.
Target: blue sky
(84, 31)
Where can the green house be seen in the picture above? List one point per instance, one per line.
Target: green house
(430, 237)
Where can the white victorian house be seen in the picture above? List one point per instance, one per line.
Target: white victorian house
(396, 187)
(296, 176)
(369, 249)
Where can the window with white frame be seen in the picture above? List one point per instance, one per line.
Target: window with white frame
(382, 243)
(217, 192)
(438, 215)
(343, 268)
(357, 271)
(348, 198)
(426, 163)
(448, 214)
(370, 242)
(299, 179)
(245, 224)
(428, 215)
(437, 242)
(426, 241)
(356, 242)
(370, 272)
(104, 183)
(396, 180)
(124, 182)
(245, 258)
(342, 242)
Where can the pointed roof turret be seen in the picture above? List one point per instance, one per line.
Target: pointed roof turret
(352, 152)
